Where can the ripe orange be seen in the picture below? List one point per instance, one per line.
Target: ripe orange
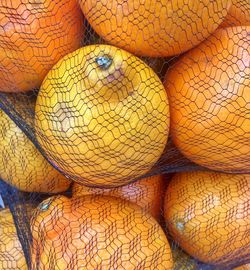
(11, 253)
(238, 14)
(147, 193)
(208, 214)
(155, 27)
(102, 116)
(209, 90)
(97, 232)
(34, 35)
(22, 165)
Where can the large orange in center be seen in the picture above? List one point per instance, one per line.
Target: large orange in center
(102, 116)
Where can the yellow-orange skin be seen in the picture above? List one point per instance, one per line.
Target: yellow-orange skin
(11, 253)
(238, 14)
(147, 193)
(21, 163)
(208, 89)
(243, 267)
(34, 35)
(97, 232)
(103, 128)
(208, 214)
(157, 28)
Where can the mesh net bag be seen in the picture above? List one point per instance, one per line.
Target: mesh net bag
(124, 136)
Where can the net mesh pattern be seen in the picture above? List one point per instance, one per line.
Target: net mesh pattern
(104, 232)
(105, 107)
(208, 214)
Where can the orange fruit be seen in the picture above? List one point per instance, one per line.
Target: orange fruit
(11, 253)
(238, 14)
(208, 214)
(34, 35)
(147, 193)
(155, 27)
(97, 232)
(104, 121)
(243, 267)
(21, 164)
(208, 89)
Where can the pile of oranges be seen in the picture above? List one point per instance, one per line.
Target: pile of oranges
(103, 118)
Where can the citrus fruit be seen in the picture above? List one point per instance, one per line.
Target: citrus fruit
(147, 193)
(208, 90)
(155, 27)
(11, 253)
(208, 214)
(238, 14)
(102, 116)
(34, 35)
(22, 165)
(97, 232)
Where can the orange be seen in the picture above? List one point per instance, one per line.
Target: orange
(238, 14)
(155, 27)
(21, 164)
(209, 90)
(147, 193)
(34, 35)
(208, 214)
(102, 116)
(11, 253)
(97, 232)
